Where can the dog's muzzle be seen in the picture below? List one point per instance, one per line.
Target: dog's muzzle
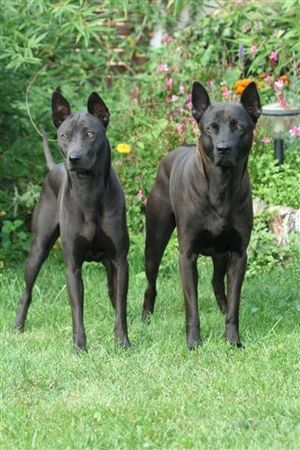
(223, 148)
(74, 157)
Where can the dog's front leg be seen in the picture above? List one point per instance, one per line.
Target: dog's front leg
(189, 279)
(75, 290)
(236, 271)
(121, 286)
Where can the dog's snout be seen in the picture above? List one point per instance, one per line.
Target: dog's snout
(223, 147)
(74, 157)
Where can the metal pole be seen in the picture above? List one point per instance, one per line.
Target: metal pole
(278, 149)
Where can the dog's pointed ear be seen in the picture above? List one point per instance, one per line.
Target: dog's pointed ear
(60, 108)
(251, 101)
(98, 108)
(200, 100)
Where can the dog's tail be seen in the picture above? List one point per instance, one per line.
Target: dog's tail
(49, 160)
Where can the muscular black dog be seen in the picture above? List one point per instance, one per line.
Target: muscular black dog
(83, 202)
(205, 192)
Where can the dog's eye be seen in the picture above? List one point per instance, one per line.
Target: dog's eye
(239, 127)
(90, 134)
(64, 137)
(211, 128)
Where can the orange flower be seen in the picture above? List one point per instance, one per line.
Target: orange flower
(284, 79)
(240, 85)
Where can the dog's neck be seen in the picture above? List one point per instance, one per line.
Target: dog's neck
(223, 183)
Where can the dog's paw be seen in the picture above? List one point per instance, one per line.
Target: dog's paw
(19, 327)
(193, 344)
(79, 343)
(238, 344)
(146, 316)
(124, 343)
(79, 349)
(193, 337)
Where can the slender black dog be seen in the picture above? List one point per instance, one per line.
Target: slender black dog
(83, 202)
(205, 192)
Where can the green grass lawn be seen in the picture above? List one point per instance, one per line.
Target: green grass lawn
(157, 395)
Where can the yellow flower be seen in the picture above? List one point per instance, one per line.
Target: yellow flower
(1, 264)
(2, 213)
(259, 84)
(123, 148)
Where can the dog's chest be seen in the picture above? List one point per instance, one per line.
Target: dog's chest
(216, 235)
(98, 244)
(89, 228)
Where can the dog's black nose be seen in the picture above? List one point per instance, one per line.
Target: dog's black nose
(223, 147)
(74, 157)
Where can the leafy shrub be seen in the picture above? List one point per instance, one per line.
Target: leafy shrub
(14, 240)
(264, 251)
(276, 185)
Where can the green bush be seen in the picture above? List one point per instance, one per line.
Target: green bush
(276, 185)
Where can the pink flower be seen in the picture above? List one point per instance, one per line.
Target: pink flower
(273, 56)
(163, 68)
(278, 85)
(174, 98)
(188, 97)
(181, 89)
(181, 128)
(266, 139)
(188, 105)
(253, 49)
(226, 92)
(295, 131)
(169, 82)
(140, 194)
(268, 79)
(282, 100)
(166, 39)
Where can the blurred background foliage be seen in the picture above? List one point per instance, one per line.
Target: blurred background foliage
(128, 51)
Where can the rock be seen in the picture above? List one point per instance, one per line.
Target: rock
(285, 220)
(259, 205)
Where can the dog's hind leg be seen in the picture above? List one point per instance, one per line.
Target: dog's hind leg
(45, 233)
(220, 263)
(160, 223)
(121, 289)
(111, 280)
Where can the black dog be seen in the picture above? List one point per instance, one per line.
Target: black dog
(205, 192)
(83, 202)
